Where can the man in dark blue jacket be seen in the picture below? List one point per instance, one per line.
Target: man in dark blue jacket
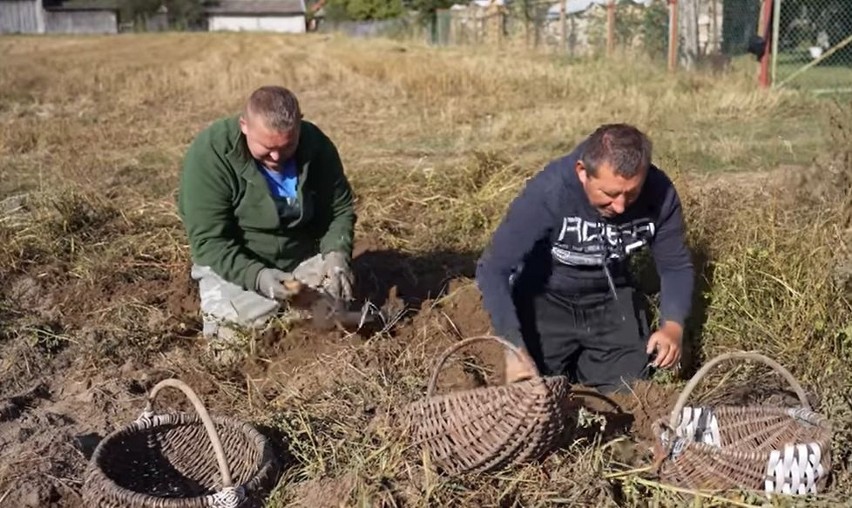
(555, 277)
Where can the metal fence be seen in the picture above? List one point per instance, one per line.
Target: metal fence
(811, 44)
(576, 27)
(396, 27)
(705, 31)
(796, 43)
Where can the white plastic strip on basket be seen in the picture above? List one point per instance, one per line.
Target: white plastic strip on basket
(229, 497)
(794, 470)
(146, 419)
(700, 425)
(696, 424)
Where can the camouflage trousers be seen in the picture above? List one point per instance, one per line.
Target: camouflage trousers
(227, 307)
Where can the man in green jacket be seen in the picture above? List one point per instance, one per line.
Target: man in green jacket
(264, 200)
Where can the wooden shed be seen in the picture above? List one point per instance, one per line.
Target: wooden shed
(257, 16)
(54, 17)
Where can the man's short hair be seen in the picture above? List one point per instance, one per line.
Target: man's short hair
(623, 146)
(277, 105)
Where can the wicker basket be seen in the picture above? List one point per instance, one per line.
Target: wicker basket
(166, 461)
(758, 448)
(491, 427)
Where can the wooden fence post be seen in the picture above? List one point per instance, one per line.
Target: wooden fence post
(610, 27)
(673, 32)
(766, 28)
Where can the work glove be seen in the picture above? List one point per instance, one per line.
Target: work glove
(335, 268)
(271, 284)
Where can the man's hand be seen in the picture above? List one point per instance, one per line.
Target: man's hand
(336, 268)
(271, 284)
(667, 342)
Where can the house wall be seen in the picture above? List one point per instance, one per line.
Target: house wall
(81, 22)
(21, 16)
(289, 24)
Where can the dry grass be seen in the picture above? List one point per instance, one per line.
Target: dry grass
(437, 142)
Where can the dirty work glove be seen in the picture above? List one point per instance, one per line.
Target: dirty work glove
(335, 267)
(270, 283)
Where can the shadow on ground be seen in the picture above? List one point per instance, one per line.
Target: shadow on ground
(414, 278)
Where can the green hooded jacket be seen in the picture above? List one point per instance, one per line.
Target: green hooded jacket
(231, 220)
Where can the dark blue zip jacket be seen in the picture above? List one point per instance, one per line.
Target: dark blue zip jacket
(553, 241)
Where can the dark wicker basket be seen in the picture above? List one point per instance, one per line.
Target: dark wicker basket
(489, 427)
(758, 448)
(166, 461)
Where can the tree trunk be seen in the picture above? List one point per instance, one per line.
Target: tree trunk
(688, 24)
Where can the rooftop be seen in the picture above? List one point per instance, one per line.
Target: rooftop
(255, 7)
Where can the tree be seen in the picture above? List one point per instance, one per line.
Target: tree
(427, 9)
(360, 10)
(655, 29)
(688, 28)
(138, 11)
(185, 14)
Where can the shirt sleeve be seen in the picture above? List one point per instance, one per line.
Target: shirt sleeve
(673, 261)
(207, 212)
(340, 233)
(530, 217)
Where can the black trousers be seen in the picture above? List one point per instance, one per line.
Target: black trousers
(600, 345)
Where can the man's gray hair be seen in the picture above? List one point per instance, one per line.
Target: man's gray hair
(277, 105)
(623, 146)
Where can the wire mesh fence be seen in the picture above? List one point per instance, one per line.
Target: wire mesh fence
(800, 43)
(812, 44)
(575, 27)
(599, 27)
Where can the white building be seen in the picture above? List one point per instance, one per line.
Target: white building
(257, 16)
(56, 17)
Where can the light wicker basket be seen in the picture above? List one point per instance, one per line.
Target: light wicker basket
(492, 427)
(775, 450)
(166, 461)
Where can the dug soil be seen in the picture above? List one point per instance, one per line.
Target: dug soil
(85, 356)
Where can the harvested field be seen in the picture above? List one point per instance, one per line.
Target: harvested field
(97, 306)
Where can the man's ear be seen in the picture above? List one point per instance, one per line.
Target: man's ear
(243, 124)
(580, 168)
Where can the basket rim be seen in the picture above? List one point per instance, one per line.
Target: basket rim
(795, 412)
(528, 385)
(661, 426)
(95, 471)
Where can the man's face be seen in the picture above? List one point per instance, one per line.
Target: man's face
(609, 193)
(268, 146)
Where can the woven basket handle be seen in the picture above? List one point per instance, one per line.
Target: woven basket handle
(224, 469)
(462, 343)
(745, 355)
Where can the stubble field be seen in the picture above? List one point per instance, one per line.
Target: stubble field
(96, 303)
